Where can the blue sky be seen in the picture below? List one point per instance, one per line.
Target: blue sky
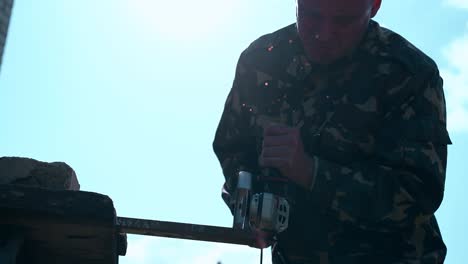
(129, 93)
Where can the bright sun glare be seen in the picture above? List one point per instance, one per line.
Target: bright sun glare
(183, 19)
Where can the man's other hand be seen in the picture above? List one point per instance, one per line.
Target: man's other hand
(283, 149)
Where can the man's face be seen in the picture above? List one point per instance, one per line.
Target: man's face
(331, 29)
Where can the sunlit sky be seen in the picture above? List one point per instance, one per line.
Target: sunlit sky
(129, 93)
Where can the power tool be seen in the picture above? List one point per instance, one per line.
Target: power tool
(265, 207)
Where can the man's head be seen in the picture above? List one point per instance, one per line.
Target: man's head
(331, 29)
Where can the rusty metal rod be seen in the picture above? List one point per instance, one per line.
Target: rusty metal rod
(184, 231)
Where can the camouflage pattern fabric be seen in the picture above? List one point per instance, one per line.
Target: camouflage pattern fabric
(375, 123)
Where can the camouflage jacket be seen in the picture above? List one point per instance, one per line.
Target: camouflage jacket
(375, 123)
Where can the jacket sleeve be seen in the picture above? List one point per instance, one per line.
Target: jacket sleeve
(234, 143)
(403, 183)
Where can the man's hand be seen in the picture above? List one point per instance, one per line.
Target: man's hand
(283, 149)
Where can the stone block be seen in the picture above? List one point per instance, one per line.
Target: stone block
(31, 172)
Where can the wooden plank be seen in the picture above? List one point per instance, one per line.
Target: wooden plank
(61, 226)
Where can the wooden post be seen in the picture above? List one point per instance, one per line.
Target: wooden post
(5, 13)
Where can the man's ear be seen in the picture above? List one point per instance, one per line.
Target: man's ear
(375, 7)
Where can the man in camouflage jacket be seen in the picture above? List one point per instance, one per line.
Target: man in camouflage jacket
(354, 115)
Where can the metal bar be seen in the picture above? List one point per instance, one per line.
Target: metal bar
(184, 231)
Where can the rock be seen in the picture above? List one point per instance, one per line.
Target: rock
(26, 171)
